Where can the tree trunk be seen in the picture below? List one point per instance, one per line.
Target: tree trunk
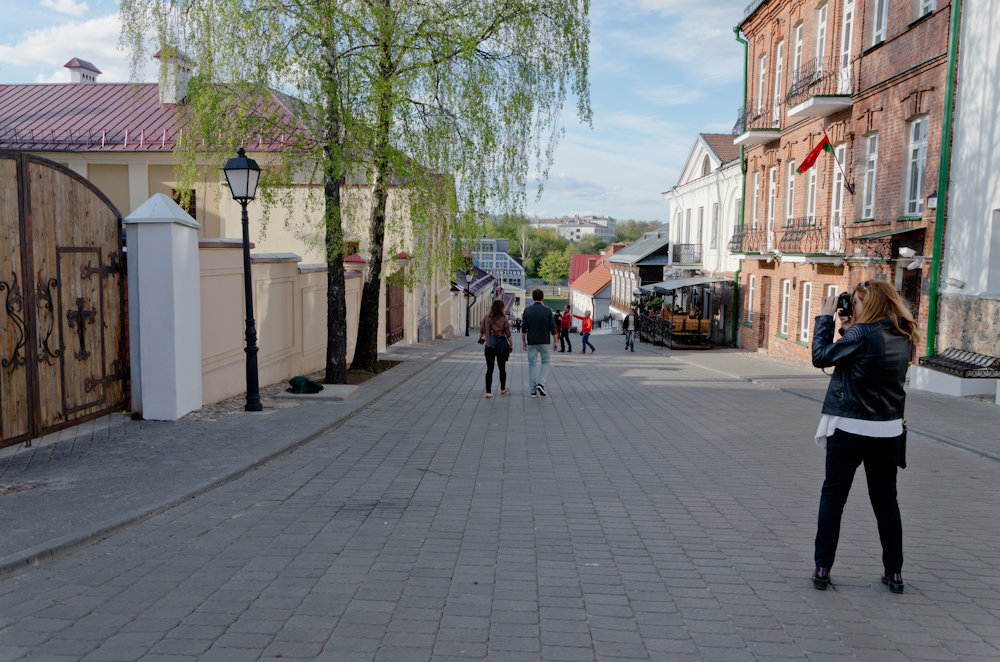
(366, 349)
(333, 179)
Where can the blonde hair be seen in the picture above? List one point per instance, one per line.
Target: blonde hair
(879, 301)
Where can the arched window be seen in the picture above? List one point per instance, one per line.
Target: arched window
(706, 166)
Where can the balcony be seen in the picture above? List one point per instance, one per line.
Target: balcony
(757, 125)
(882, 239)
(685, 254)
(751, 241)
(820, 87)
(812, 235)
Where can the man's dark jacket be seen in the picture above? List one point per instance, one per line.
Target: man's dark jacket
(870, 364)
(539, 324)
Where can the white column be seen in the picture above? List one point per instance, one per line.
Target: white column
(164, 298)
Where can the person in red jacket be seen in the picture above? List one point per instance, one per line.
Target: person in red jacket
(586, 326)
(564, 326)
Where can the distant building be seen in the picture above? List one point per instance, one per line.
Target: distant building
(491, 256)
(578, 227)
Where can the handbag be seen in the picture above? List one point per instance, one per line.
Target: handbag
(499, 344)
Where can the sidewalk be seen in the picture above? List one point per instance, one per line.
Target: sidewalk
(657, 505)
(86, 482)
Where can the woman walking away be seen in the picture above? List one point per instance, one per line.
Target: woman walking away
(586, 326)
(863, 416)
(494, 331)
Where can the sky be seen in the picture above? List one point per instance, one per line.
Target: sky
(661, 72)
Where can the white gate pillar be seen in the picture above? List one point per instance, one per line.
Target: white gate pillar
(164, 303)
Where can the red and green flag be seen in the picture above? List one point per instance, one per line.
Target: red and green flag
(823, 146)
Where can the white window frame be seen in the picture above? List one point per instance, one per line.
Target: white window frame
(831, 291)
(871, 174)
(786, 296)
(880, 21)
(756, 199)
(916, 168)
(837, 196)
(846, 41)
(687, 227)
(761, 81)
(804, 325)
(701, 225)
(811, 196)
(797, 52)
(779, 61)
(714, 238)
(926, 7)
(751, 290)
(772, 199)
(821, 15)
(790, 194)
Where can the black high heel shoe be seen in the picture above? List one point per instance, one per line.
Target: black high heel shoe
(894, 581)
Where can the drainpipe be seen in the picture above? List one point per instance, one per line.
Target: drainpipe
(743, 196)
(944, 165)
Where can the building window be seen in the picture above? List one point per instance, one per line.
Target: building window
(751, 290)
(926, 7)
(797, 53)
(917, 167)
(881, 21)
(772, 195)
(761, 80)
(714, 239)
(871, 169)
(191, 207)
(687, 227)
(756, 200)
(807, 290)
(701, 223)
(706, 166)
(831, 291)
(837, 202)
(790, 194)
(779, 61)
(786, 295)
(821, 14)
(844, 75)
(811, 197)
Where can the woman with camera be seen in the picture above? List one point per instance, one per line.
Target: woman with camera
(862, 418)
(494, 332)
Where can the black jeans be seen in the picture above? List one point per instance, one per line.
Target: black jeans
(501, 361)
(844, 453)
(564, 337)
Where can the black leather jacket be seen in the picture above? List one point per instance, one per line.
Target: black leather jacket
(870, 364)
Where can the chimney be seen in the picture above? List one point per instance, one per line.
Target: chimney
(174, 82)
(591, 263)
(81, 71)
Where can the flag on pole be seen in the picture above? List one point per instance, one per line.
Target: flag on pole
(824, 145)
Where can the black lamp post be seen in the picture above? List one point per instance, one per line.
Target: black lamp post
(243, 174)
(468, 300)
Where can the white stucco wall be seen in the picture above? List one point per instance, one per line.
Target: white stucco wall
(972, 239)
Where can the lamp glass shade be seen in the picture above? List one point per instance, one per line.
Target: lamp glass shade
(242, 174)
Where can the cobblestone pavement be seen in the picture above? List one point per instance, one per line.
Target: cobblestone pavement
(656, 506)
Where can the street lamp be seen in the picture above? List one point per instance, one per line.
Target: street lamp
(468, 299)
(243, 174)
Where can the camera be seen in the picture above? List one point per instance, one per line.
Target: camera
(844, 304)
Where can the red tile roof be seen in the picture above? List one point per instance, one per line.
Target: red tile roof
(578, 265)
(94, 117)
(723, 146)
(593, 282)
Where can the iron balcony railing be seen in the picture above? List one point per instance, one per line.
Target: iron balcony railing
(686, 253)
(820, 76)
(750, 240)
(752, 116)
(811, 235)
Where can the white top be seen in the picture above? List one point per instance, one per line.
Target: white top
(828, 423)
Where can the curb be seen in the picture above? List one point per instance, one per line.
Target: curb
(35, 557)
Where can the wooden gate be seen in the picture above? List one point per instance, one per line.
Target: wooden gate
(62, 341)
(393, 312)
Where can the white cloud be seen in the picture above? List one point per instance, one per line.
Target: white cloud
(70, 7)
(48, 48)
(671, 95)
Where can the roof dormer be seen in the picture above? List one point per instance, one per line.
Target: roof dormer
(82, 71)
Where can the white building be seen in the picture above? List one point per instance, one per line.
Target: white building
(576, 228)
(970, 274)
(491, 256)
(705, 204)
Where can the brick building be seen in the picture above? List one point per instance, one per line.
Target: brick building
(871, 76)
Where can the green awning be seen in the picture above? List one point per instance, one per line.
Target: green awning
(886, 233)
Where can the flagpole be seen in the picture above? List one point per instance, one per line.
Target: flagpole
(847, 182)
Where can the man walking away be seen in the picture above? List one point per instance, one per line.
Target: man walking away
(628, 329)
(538, 330)
(564, 327)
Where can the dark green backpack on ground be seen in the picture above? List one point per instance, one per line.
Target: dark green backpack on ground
(303, 385)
